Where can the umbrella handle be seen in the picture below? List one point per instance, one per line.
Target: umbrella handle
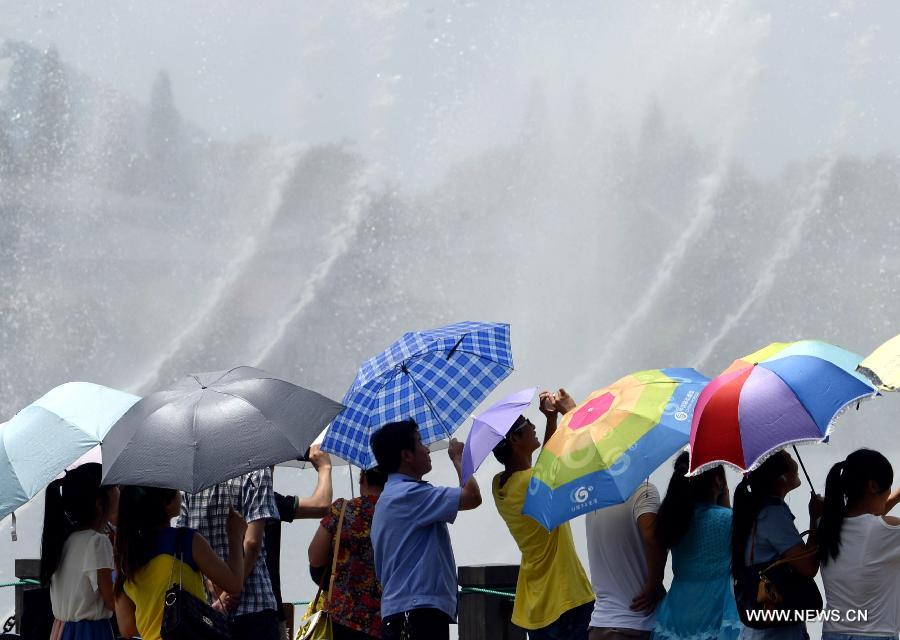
(803, 466)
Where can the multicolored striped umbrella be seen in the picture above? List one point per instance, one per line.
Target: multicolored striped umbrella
(882, 366)
(605, 447)
(781, 395)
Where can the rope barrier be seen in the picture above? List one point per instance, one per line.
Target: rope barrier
(463, 590)
(490, 592)
(20, 583)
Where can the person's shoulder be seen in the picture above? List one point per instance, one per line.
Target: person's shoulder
(719, 514)
(646, 492)
(775, 511)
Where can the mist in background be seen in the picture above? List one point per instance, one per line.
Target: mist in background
(292, 185)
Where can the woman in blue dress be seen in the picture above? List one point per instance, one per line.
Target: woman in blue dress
(694, 521)
(764, 530)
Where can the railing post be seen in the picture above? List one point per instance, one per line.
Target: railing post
(484, 616)
(34, 608)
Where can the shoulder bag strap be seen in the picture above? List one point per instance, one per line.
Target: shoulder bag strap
(337, 550)
(177, 554)
(800, 556)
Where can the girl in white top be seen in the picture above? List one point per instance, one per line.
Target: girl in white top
(859, 549)
(77, 555)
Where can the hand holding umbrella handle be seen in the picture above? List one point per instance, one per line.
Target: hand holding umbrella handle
(455, 451)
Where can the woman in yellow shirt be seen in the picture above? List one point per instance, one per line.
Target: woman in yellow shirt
(151, 555)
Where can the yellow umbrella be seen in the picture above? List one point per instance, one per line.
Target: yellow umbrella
(882, 366)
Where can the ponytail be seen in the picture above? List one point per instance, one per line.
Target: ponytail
(676, 513)
(55, 532)
(677, 508)
(70, 504)
(744, 511)
(845, 487)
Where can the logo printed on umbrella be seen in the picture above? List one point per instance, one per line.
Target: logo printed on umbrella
(581, 494)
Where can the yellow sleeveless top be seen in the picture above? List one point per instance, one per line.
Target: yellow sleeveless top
(148, 588)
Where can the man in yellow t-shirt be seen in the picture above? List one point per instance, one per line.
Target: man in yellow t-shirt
(554, 598)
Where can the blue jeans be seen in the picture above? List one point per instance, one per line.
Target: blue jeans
(572, 625)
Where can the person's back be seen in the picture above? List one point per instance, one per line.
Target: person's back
(859, 549)
(865, 577)
(170, 561)
(151, 556)
(356, 598)
(694, 522)
(77, 555)
(74, 589)
(700, 599)
(618, 562)
(255, 613)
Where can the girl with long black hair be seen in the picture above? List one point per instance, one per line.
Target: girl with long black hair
(150, 554)
(76, 554)
(859, 548)
(763, 529)
(694, 522)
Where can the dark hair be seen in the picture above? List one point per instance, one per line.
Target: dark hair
(845, 486)
(677, 509)
(142, 516)
(375, 477)
(756, 486)
(503, 449)
(390, 441)
(70, 505)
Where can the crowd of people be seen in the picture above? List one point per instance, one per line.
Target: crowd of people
(109, 554)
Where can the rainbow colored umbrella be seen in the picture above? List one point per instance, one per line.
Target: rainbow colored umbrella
(604, 448)
(781, 395)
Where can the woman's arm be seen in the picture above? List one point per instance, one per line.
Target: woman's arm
(808, 565)
(125, 616)
(227, 576)
(105, 586)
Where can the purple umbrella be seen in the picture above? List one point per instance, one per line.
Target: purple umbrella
(489, 428)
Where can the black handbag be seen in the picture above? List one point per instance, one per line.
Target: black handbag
(774, 586)
(185, 616)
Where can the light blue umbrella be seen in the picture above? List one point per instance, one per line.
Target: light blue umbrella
(51, 433)
(436, 377)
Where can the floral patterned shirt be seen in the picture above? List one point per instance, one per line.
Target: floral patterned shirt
(356, 599)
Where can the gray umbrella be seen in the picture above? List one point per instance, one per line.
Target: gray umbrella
(209, 427)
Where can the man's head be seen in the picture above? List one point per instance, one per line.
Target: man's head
(520, 439)
(398, 448)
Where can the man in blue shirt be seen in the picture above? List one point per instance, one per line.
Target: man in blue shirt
(413, 557)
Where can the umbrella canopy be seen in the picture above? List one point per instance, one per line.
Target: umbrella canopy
(302, 463)
(210, 427)
(436, 377)
(605, 447)
(51, 433)
(882, 366)
(784, 394)
(489, 428)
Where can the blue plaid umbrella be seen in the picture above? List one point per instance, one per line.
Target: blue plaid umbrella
(436, 377)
